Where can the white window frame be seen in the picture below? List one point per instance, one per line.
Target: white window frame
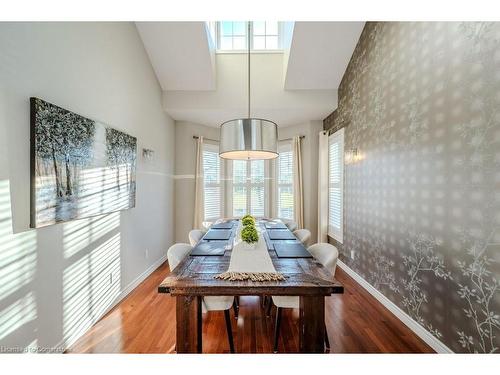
(284, 146)
(214, 147)
(335, 232)
(248, 184)
(218, 40)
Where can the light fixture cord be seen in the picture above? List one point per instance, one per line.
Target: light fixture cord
(249, 69)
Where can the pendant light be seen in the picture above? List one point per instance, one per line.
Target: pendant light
(248, 138)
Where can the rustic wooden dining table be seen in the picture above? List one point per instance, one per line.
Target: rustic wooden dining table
(194, 278)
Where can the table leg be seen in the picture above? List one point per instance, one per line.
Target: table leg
(187, 317)
(312, 324)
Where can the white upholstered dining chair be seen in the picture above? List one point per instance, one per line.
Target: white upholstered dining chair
(303, 235)
(195, 236)
(175, 254)
(327, 255)
(290, 224)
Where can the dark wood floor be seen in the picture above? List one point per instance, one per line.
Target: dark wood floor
(144, 322)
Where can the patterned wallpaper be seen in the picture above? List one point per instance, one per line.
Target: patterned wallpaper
(421, 103)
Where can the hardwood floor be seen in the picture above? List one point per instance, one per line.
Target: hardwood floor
(144, 322)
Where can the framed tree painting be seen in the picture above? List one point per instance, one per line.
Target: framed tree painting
(79, 167)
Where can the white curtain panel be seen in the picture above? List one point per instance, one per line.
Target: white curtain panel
(199, 208)
(298, 190)
(323, 187)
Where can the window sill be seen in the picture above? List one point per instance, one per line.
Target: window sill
(242, 52)
(334, 240)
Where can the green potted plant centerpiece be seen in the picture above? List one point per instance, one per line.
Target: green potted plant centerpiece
(249, 232)
(247, 220)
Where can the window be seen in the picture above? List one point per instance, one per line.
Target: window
(285, 182)
(248, 193)
(336, 185)
(232, 35)
(264, 35)
(212, 182)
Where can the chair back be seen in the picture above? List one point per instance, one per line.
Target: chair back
(176, 253)
(326, 254)
(290, 224)
(303, 235)
(195, 236)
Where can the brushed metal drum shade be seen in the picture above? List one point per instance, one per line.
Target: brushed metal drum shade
(248, 139)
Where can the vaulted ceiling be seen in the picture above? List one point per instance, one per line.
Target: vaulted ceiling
(295, 86)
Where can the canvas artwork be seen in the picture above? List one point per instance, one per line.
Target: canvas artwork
(79, 167)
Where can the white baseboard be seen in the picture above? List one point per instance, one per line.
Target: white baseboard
(420, 331)
(124, 293)
(139, 279)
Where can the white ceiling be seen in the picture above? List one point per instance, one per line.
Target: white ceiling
(319, 54)
(268, 100)
(293, 87)
(182, 54)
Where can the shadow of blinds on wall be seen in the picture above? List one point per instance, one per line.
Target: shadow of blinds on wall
(336, 185)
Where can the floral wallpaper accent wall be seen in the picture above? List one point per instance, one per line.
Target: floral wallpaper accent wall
(421, 103)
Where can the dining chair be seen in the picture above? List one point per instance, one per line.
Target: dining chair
(290, 224)
(327, 255)
(303, 235)
(175, 254)
(195, 236)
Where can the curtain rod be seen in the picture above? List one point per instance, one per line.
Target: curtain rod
(343, 124)
(208, 139)
(289, 139)
(279, 140)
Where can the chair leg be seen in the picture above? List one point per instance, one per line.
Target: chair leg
(199, 326)
(327, 341)
(227, 317)
(269, 306)
(277, 329)
(236, 308)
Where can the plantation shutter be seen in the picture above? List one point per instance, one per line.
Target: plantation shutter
(239, 188)
(248, 192)
(336, 185)
(212, 182)
(285, 182)
(257, 176)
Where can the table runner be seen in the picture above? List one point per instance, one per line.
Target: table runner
(250, 261)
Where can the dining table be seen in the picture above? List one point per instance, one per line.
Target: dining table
(304, 277)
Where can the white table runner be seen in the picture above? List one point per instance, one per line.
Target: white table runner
(250, 257)
(250, 261)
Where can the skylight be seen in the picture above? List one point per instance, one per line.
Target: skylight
(264, 35)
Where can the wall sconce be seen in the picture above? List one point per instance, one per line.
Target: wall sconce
(148, 154)
(352, 156)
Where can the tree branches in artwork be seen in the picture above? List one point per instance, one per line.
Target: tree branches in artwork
(80, 167)
(63, 139)
(121, 153)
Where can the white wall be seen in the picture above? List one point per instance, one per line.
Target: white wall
(54, 282)
(185, 162)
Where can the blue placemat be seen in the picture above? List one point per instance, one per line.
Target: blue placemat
(217, 234)
(291, 250)
(225, 225)
(281, 234)
(209, 248)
